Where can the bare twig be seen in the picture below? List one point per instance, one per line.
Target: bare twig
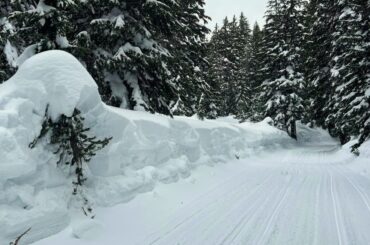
(19, 237)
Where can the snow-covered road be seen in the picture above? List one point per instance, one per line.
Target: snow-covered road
(305, 196)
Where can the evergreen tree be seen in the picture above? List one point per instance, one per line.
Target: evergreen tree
(221, 71)
(230, 87)
(74, 146)
(44, 25)
(318, 54)
(227, 72)
(144, 55)
(282, 91)
(243, 46)
(3, 60)
(126, 50)
(188, 49)
(209, 106)
(5, 29)
(253, 81)
(351, 71)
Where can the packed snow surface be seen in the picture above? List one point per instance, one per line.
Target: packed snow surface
(307, 195)
(146, 149)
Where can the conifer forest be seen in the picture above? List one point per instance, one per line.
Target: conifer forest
(309, 63)
(140, 122)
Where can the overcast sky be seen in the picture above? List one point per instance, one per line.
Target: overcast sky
(218, 9)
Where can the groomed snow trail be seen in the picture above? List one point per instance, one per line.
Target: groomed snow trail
(303, 196)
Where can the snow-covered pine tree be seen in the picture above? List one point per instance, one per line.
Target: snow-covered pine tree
(234, 41)
(74, 146)
(230, 88)
(253, 66)
(41, 25)
(211, 98)
(124, 43)
(188, 50)
(243, 43)
(229, 91)
(6, 52)
(129, 47)
(351, 71)
(3, 61)
(282, 91)
(318, 45)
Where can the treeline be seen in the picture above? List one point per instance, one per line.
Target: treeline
(310, 62)
(144, 55)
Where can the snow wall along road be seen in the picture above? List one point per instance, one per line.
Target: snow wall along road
(145, 149)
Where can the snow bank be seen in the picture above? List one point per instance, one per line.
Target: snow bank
(32, 189)
(358, 164)
(146, 149)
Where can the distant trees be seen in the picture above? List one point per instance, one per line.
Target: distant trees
(309, 63)
(255, 74)
(227, 76)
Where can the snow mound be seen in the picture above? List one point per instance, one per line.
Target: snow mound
(56, 78)
(145, 150)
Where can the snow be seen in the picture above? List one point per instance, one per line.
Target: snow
(26, 54)
(132, 81)
(121, 53)
(367, 92)
(146, 151)
(44, 8)
(231, 183)
(11, 53)
(12, 56)
(55, 78)
(305, 195)
(62, 41)
(120, 23)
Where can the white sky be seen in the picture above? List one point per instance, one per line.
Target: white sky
(219, 9)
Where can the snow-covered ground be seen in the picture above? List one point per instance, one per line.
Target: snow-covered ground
(171, 181)
(306, 196)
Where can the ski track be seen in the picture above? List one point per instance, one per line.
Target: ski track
(294, 201)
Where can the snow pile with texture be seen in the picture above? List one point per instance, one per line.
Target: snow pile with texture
(146, 149)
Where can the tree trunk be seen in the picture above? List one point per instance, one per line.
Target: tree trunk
(293, 129)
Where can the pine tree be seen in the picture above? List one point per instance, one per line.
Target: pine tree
(144, 55)
(230, 88)
(3, 61)
(126, 51)
(350, 71)
(253, 81)
(243, 45)
(229, 91)
(318, 55)
(188, 49)
(5, 30)
(209, 105)
(45, 25)
(74, 146)
(282, 91)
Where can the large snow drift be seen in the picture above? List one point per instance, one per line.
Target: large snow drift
(146, 149)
